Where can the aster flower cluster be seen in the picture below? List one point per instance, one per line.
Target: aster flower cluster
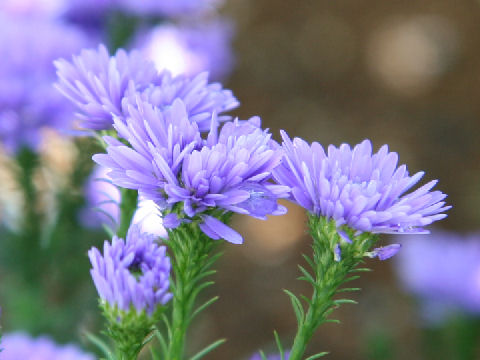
(19, 345)
(167, 159)
(169, 140)
(132, 273)
(443, 271)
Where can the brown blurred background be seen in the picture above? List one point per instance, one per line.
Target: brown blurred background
(404, 73)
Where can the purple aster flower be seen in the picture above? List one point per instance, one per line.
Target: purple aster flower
(22, 111)
(168, 7)
(189, 49)
(19, 345)
(96, 83)
(354, 187)
(385, 252)
(33, 8)
(170, 163)
(443, 270)
(201, 99)
(132, 273)
(103, 206)
(103, 87)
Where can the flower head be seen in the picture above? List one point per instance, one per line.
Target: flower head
(201, 98)
(354, 187)
(170, 163)
(442, 269)
(104, 87)
(96, 83)
(19, 345)
(132, 273)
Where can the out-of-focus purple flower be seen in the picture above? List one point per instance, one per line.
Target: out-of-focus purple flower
(442, 269)
(91, 15)
(190, 49)
(16, 346)
(132, 273)
(102, 198)
(168, 7)
(28, 100)
(33, 8)
(257, 356)
(170, 163)
(103, 87)
(354, 187)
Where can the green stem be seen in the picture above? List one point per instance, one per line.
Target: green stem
(328, 275)
(30, 228)
(127, 210)
(191, 257)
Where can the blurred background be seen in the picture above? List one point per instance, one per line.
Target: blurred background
(401, 73)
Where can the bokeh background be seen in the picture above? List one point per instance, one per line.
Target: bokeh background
(401, 73)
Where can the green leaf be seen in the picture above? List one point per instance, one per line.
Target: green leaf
(110, 232)
(351, 278)
(161, 341)
(309, 261)
(348, 290)
(317, 356)
(360, 270)
(344, 301)
(306, 275)
(100, 344)
(154, 354)
(262, 354)
(148, 338)
(279, 345)
(297, 306)
(203, 307)
(208, 349)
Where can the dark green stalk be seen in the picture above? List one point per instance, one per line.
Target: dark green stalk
(31, 223)
(127, 210)
(328, 275)
(191, 256)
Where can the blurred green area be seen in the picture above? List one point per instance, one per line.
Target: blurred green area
(46, 286)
